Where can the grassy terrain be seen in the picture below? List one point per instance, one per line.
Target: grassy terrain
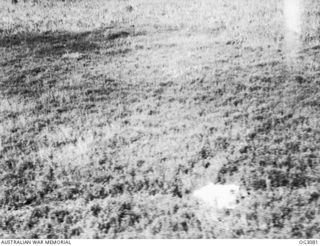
(113, 112)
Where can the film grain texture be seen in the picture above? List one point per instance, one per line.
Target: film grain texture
(159, 119)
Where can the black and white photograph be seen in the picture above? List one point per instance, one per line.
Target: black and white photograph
(159, 119)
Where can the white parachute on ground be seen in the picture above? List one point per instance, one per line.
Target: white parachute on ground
(218, 196)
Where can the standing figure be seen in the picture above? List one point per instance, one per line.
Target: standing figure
(293, 29)
(292, 13)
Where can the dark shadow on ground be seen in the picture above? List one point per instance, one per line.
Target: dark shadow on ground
(34, 60)
(51, 43)
(58, 43)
